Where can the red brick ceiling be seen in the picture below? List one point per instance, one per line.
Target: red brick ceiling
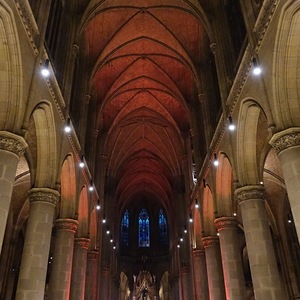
(143, 58)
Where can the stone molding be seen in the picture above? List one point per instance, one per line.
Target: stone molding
(285, 139)
(12, 143)
(209, 241)
(66, 225)
(105, 271)
(43, 195)
(198, 253)
(82, 243)
(93, 255)
(226, 223)
(250, 192)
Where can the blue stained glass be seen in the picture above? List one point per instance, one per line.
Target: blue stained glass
(163, 229)
(144, 229)
(125, 229)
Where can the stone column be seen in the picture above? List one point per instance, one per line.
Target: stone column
(81, 246)
(60, 280)
(174, 288)
(104, 284)
(231, 258)
(186, 283)
(91, 276)
(287, 146)
(200, 275)
(263, 265)
(33, 270)
(214, 268)
(11, 148)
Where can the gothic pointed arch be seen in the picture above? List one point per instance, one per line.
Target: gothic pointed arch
(46, 151)
(286, 64)
(68, 189)
(11, 83)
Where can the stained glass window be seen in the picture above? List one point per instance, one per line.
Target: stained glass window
(144, 229)
(125, 229)
(163, 230)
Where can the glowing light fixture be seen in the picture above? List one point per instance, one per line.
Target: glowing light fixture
(104, 220)
(45, 69)
(191, 219)
(215, 161)
(185, 229)
(231, 125)
(81, 163)
(256, 67)
(68, 126)
(91, 187)
(196, 204)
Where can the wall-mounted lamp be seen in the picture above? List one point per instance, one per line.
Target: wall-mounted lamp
(91, 187)
(181, 239)
(185, 229)
(68, 126)
(81, 163)
(196, 204)
(107, 230)
(104, 220)
(98, 206)
(256, 67)
(114, 247)
(231, 125)
(45, 68)
(111, 239)
(191, 219)
(215, 161)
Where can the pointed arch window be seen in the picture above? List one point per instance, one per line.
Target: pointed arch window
(125, 229)
(144, 229)
(163, 228)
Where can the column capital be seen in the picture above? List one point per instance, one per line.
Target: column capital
(250, 192)
(184, 269)
(225, 223)
(93, 255)
(82, 243)
(12, 143)
(66, 224)
(209, 241)
(198, 253)
(285, 139)
(43, 195)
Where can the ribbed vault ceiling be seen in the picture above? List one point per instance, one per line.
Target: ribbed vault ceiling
(143, 58)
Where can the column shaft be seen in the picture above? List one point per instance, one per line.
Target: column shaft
(79, 268)
(200, 275)
(263, 265)
(91, 276)
(33, 270)
(11, 148)
(231, 258)
(104, 284)
(186, 283)
(60, 280)
(214, 268)
(287, 146)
